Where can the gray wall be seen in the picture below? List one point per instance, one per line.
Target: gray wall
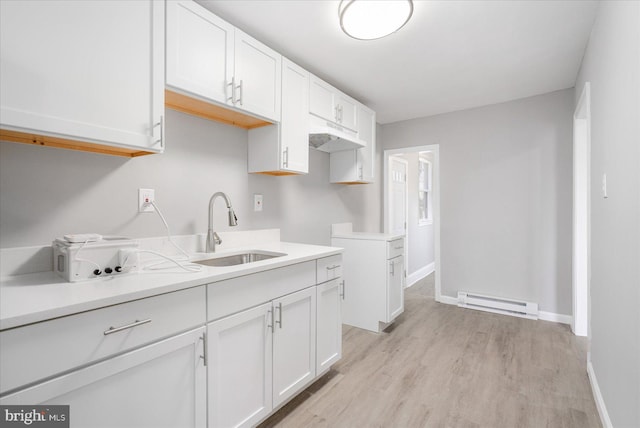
(505, 174)
(612, 65)
(420, 237)
(45, 192)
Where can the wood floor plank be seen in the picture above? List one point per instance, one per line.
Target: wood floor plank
(443, 366)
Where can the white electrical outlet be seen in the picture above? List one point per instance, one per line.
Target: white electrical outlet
(257, 202)
(145, 197)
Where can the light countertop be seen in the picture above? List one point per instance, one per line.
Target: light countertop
(369, 236)
(35, 297)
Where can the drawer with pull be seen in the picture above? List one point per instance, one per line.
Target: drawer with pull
(329, 268)
(395, 248)
(38, 351)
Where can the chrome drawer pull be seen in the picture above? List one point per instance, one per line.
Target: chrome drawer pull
(333, 267)
(124, 327)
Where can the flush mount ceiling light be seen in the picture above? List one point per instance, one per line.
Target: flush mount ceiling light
(373, 19)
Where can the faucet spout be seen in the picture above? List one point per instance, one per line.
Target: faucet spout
(212, 237)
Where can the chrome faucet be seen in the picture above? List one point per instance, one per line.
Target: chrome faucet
(212, 237)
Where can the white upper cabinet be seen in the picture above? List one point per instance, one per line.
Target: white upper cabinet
(199, 51)
(283, 148)
(83, 75)
(209, 59)
(357, 166)
(327, 102)
(257, 77)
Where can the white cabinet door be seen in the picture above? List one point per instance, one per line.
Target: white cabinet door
(199, 51)
(283, 148)
(357, 166)
(395, 288)
(239, 375)
(329, 324)
(321, 102)
(295, 119)
(257, 77)
(90, 71)
(347, 111)
(367, 133)
(294, 343)
(160, 385)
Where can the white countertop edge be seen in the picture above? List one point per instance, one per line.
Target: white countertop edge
(369, 236)
(32, 298)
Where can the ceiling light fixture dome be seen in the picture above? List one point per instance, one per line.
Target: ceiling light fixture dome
(373, 19)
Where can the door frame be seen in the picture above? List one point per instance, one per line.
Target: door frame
(435, 149)
(581, 248)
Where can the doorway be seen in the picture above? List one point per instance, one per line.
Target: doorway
(581, 270)
(422, 199)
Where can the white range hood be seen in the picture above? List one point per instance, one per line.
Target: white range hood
(330, 137)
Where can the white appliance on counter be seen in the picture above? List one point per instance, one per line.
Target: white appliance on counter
(374, 277)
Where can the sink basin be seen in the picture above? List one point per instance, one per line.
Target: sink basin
(239, 259)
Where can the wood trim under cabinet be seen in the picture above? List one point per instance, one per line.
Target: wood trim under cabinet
(205, 110)
(63, 143)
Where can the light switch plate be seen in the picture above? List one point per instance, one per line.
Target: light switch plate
(257, 202)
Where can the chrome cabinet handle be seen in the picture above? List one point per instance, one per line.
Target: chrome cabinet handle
(161, 125)
(279, 315)
(270, 318)
(204, 349)
(361, 173)
(232, 98)
(343, 289)
(393, 268)
(239, 100)
(333, 267)
(136, 323)
(285, 161)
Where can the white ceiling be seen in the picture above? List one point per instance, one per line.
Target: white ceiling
(452, 55)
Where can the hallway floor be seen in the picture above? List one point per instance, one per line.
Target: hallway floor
(442, 366)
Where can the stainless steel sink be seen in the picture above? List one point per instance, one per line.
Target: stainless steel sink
(240, 259)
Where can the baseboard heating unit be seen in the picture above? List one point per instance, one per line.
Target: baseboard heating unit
(498, 305)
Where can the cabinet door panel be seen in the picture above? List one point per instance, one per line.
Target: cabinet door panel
(348, 114)
(76, 75)
(257, 76)
(321, 101)
(240, 352)
(294, 343)
(160, 385)
(199, 51)
(329, 324)
(295, 118)
(395, 288)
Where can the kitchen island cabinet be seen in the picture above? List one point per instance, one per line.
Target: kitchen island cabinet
(374, 277)
(70, 78)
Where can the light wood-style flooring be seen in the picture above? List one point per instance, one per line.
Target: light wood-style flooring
(443, 366)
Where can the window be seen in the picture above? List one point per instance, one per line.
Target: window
(424, 193)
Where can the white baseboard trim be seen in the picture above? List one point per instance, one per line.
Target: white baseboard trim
(597, 396)
(420, 273)
(553, 317)
(448, 300)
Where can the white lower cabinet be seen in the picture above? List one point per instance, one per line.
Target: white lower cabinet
(329, 324)
(259, 358)
(294, 343)
(240, 354)
(159, 385)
